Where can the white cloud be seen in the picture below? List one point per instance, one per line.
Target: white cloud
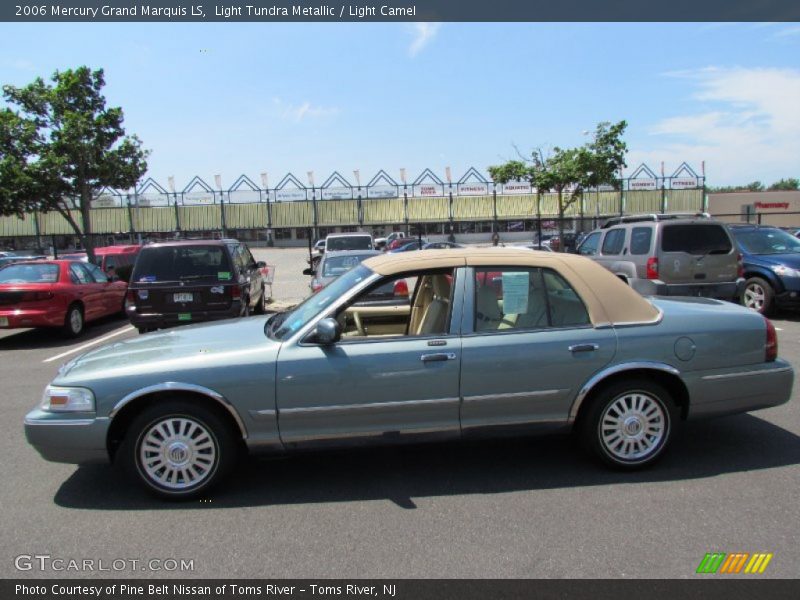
(423, 33)
(747, 125)
(304, 110)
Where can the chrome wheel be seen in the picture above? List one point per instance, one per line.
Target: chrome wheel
(754, 296)
(177, 453)
(633, 427)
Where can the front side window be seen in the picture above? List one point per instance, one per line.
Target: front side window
(284, 325)
(589, 245)
(614, 241)
(525, 298)
(97, 275)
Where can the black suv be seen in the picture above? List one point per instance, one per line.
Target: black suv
(175, 283)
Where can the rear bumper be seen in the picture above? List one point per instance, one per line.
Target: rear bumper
(723, 291)
(45, 317)
(162, 320)
(742, 389)
(68, 439)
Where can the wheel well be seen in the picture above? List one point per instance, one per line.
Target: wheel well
(672, 383)
(123, 419)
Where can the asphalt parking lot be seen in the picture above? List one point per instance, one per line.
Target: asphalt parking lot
(515, 508)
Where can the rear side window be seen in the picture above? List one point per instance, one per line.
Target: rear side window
(182, 263)
(695, 238)
(614, 241)
(640, 240)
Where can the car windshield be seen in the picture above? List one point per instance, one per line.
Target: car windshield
(284, 325)
(350, 242)
(333, 266)
(767, 241)
(182, 263)
(22, 273)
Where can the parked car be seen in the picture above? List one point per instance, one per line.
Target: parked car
(399, 241)
(334, 264)
(320, 246)
(180, 282)
(383, 242)
(440, 245)
(669, 255)
(771, 260)
(567, 346)
(115, 261)
(61, 294)
(349, 241)
(407, 245)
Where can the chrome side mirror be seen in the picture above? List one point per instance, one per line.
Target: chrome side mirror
(327, 332)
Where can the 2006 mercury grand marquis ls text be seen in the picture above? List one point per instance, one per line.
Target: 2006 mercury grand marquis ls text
(491, 340)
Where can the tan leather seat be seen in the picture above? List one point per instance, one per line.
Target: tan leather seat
(487, 311)
(434, 318)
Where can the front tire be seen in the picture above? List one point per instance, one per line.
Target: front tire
(758, 295)
(178, 450)
(629, 424)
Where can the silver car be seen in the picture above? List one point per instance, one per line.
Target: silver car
(492, 341)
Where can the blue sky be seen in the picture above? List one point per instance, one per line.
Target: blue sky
(233, 98)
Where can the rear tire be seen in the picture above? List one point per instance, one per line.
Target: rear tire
(629, 424)
(758, 295)
(178, 450)
(261, 306)
(73, 321)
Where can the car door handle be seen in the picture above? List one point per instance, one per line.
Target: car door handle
(583, 348)
(438, 356)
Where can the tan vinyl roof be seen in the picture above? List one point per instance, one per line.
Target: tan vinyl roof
(608, 299)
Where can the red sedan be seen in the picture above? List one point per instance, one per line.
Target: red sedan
(57, 293)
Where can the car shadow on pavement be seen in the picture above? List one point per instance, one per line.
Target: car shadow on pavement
(45, 337)
(399, 474)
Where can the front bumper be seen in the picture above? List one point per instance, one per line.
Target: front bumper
(740, 389)
(68, 438)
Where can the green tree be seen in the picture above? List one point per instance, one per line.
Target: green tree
(755, 186)
(60, 145)
(570, 171)
(789, 184)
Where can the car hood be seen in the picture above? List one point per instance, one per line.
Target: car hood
(790, 259)
(190, 347)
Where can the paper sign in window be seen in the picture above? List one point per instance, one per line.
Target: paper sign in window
(515, 292)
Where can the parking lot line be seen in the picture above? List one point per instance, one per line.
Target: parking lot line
(92, 343)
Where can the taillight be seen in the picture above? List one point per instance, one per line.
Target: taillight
(130, 300)
(236, 292)
(652, 268)
(739, 265)
(401, 288)
(316, 286)
(33, 296)
(771, 347)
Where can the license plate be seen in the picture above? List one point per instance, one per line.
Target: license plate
(184, 317)
(183, 297)
(3, 321)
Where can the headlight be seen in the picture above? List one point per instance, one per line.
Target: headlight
(62, 399)
(785, 271)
